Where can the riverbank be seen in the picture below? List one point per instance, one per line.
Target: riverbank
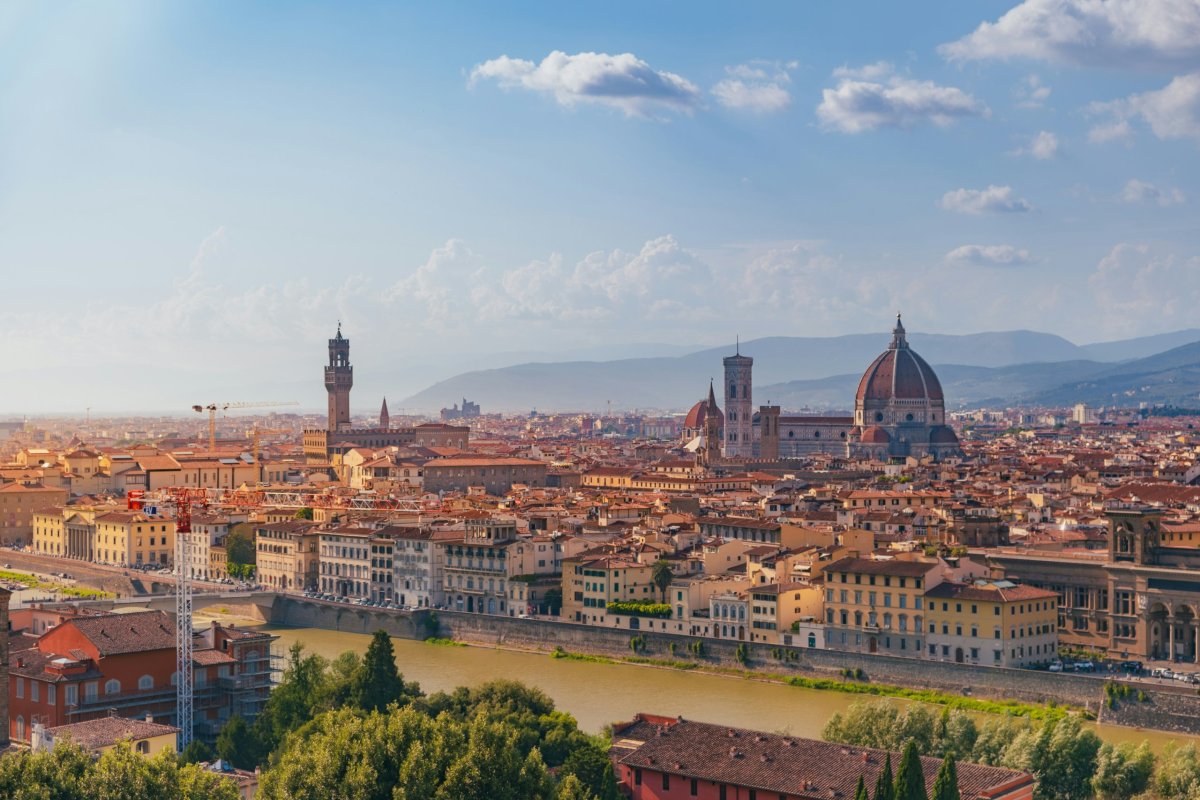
(598, 693)
(1166, 708)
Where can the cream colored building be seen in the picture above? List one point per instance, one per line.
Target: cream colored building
(134, 538)
(286, 554)
(994, 623)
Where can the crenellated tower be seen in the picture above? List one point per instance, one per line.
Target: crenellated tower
(339, 378)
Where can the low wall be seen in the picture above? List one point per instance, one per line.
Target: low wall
(1176, 710)
(982, 682)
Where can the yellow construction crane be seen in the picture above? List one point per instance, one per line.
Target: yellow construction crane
(213, 408)
(255, 435)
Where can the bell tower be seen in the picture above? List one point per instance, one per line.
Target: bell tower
(739, 412)
(339, 377)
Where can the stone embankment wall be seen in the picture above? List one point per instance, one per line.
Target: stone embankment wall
(1166, 709)
(545, 635)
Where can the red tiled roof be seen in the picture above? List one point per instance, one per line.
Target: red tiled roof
(803, 768)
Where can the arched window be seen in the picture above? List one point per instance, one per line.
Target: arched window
(112, 686)
(143, 747)
(145, 682)
(732, 390)
(879, 416)
(812, 640)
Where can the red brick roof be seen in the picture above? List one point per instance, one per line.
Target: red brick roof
(802, 768)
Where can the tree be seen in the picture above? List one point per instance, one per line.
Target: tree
(69, 773)
(860, 791)
(1122, 770)
(945, 785)
(590, 765)
(196, 751)
(342, 671)
(661, 576)
(1061, 755)
(572, 789)
(238, 744)
(239, 545)
(885, 784)
(552, 600)
(377, 682)
(910, 778)
(304, 513)
(297, 699)
(1178, 776)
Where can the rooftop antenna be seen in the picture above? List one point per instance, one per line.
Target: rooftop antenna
(737, 344)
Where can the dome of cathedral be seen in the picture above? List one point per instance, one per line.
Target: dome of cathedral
(698, 414)
(899, 374)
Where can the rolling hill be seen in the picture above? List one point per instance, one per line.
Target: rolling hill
(822, 372)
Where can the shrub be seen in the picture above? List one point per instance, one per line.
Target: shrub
(639, 608)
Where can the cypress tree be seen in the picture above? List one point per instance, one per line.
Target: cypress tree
(885, 787)
(377, 682)
(910, 780)
(945, 786)
(860, 791)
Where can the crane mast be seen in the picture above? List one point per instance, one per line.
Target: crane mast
(184, 632)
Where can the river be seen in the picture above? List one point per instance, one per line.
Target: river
(597, 694)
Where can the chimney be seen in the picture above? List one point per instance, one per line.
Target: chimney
(149, 717)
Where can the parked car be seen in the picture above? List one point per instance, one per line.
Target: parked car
(1056, 666)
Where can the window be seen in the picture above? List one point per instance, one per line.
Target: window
(90, 691)
(666, 781)
(695, 788)
(143, 747)
(637, 776)
(112, 686)
(20, 688)
(51, 694)
(145, 682)
(35, 690)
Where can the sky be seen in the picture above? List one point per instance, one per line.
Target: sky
(193, 194)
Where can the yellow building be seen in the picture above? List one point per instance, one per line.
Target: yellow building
(591, 582)
(18, 504)
(874, 606)
(134, 537)
(100, 735)
(774, 607)
(996, 623)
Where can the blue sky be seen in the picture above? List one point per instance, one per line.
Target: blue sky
(197, 191)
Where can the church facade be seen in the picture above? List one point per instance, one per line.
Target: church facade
(899, 411)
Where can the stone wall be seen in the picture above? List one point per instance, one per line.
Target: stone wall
(1166, 709)
(965, 679)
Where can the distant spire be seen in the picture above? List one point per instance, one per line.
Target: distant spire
(899, 338)
(737, 344)
(384, 418)
(712, 395)
(339, 331)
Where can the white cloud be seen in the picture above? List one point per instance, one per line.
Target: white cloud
(622, 81)
(1172, 112)
(758, 86)
(988, 255)
(1134, 283)
(1043, 146)
(867, 72)
(1143, 192)
(1128, 33)
(859, 103)
(993, 199)
(1032, 93)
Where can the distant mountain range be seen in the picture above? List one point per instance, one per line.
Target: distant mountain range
(821, 373)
